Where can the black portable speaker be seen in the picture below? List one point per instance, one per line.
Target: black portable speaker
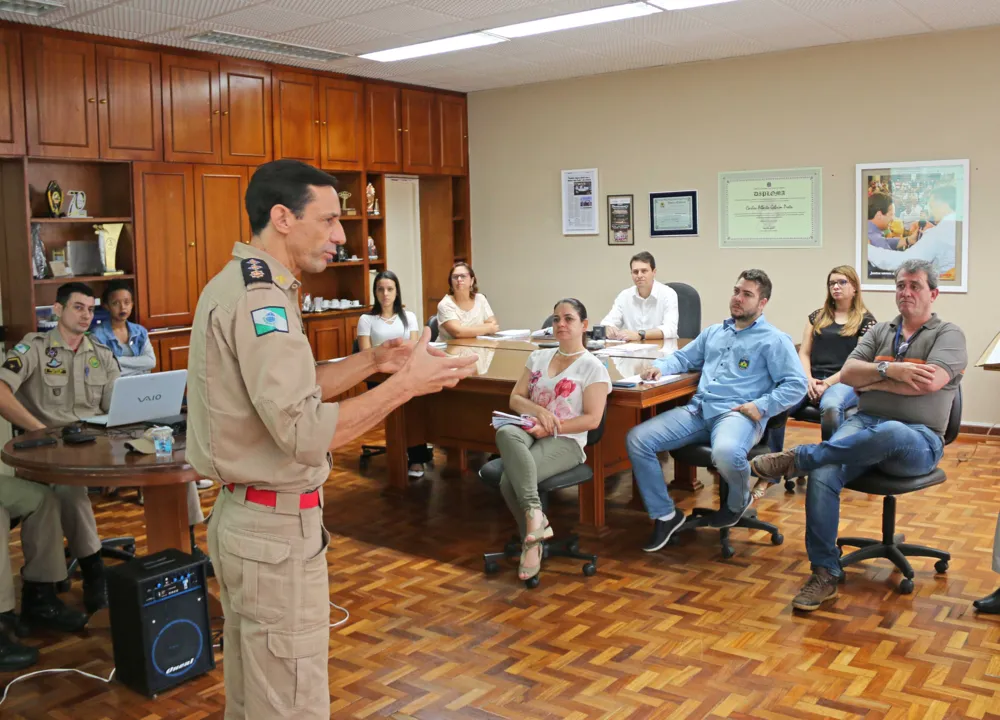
(159, 621)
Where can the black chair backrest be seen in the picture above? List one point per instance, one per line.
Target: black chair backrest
(688, 310)
(433, 325)
(355, 347)
(548, 321)
(594, 436)
(955, 418)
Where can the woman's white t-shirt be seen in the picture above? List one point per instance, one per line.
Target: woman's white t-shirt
(379, 330)
(448, 310)
(562, 395)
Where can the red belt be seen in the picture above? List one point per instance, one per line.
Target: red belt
(270, 497)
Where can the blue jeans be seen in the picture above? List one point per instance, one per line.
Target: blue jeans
(731, 436)
(833, 404)
(862, 443)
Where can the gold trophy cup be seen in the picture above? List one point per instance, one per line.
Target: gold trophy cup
(107, 238)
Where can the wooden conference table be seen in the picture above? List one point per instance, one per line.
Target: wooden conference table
(459, 419)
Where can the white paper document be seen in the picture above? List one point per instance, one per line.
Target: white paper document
(629, 348)
(514, 333)
(991, 355)
(664, 379)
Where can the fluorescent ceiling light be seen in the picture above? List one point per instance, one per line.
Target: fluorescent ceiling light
(34, 8)
(272, 47)
(685, 4)
(434, 47)
(575, 20)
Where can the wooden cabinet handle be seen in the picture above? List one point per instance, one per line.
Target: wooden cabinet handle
(215, 112)
(104, 101)
(324, 122)
(190, 244)
(406, 129)
(225, 112)
(91, 100)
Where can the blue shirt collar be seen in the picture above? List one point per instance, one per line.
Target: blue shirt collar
(730, 324)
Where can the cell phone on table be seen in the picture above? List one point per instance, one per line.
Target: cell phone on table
(29, 443)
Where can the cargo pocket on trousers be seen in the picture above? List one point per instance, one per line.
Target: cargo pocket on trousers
(256, 570)
(299, 674)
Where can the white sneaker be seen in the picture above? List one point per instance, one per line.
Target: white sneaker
(419, 473)
(203, 484)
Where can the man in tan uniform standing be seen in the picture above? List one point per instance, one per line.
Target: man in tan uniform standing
(57, 378)
(44, 565)
(258, 425)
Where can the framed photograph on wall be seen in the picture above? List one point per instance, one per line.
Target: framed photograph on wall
(673, 214)
(912, 210)
(579, 202)
(621, 230)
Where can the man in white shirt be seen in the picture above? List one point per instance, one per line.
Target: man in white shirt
(647, 311)
(936, 245)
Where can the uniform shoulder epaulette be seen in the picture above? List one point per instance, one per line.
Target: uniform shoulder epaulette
(255, 272)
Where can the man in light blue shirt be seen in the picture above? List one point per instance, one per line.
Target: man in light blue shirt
(750, 372)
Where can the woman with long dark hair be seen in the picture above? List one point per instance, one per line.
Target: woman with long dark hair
(387, 320)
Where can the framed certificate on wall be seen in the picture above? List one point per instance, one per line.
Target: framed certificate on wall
(620, 227)
(673, 214)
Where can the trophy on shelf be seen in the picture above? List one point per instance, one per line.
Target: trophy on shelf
(40, 266)
(372, 250)
(77, 207)
(376, 208)
(341, 254)
(344, 197)
(107, 242)
(372, 202)
(54, 194)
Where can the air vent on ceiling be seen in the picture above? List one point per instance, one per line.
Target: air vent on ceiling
(35, 8)
(272, 47)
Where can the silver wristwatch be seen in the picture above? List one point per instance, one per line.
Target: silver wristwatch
(883, 369)
(642, 334)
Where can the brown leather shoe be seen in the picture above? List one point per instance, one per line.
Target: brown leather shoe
(820, 587)
(774, 466)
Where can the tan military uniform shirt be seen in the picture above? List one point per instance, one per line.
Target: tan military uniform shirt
(57, 385)
(255, 411)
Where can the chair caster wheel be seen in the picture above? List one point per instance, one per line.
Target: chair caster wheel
(589, 569)
(790, 486)
(129, 549)
(63, 586)
(511, 549)
(532, 582)
(491, 568)
(777, 539)
(905, 586)
(941, 566)
(727, 552)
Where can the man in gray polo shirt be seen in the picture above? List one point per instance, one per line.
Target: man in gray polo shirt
(907, 372)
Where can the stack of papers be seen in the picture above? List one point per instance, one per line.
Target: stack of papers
(514, 333)
(542, 333)
(637, 379)
(523, 421)
(629, 348)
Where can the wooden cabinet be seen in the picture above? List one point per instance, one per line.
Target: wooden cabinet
(11, 94)
(60, 79)
(192, 117)
(246, 113)
(166, 247)
(453, 134)
(171, 351)
(419, 132)
(129, 106)
(220, 219)
(342, 124)
(296, 117)
(328, 338)
(383, 127)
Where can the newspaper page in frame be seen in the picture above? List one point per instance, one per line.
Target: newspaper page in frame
(579, 202)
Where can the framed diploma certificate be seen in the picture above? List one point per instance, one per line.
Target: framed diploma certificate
(771, 208)
(673, 213)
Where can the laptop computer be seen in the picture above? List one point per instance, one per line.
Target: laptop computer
(139, 398)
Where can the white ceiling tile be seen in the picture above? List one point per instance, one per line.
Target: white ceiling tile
(471, 9)
(123, 21)
(194, 9)
(385, 42)
(953, 14)
(536, 50)
(402, 19)
(72, 9)
(860, 19)
(334, 9)
(269, 19)
(332, 35)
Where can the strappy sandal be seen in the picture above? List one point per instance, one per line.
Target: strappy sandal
(760, 489)
(546, 532)
(531, 570)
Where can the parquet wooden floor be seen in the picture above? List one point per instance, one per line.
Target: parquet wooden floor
(677, 634)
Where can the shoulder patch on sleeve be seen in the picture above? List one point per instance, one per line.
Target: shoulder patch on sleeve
(13, 364)
(255, 271)
(269, 319)
(22, 348)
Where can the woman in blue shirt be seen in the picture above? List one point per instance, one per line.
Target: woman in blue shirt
(129, 341)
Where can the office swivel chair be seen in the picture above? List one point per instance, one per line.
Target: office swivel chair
(547, 323)
(700, 455)
(433, 325)
(891, 547)
(688, 310)
(568, 546)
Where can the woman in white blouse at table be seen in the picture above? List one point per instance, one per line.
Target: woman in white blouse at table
(464, 312)
(387, 321)
(565, 390)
